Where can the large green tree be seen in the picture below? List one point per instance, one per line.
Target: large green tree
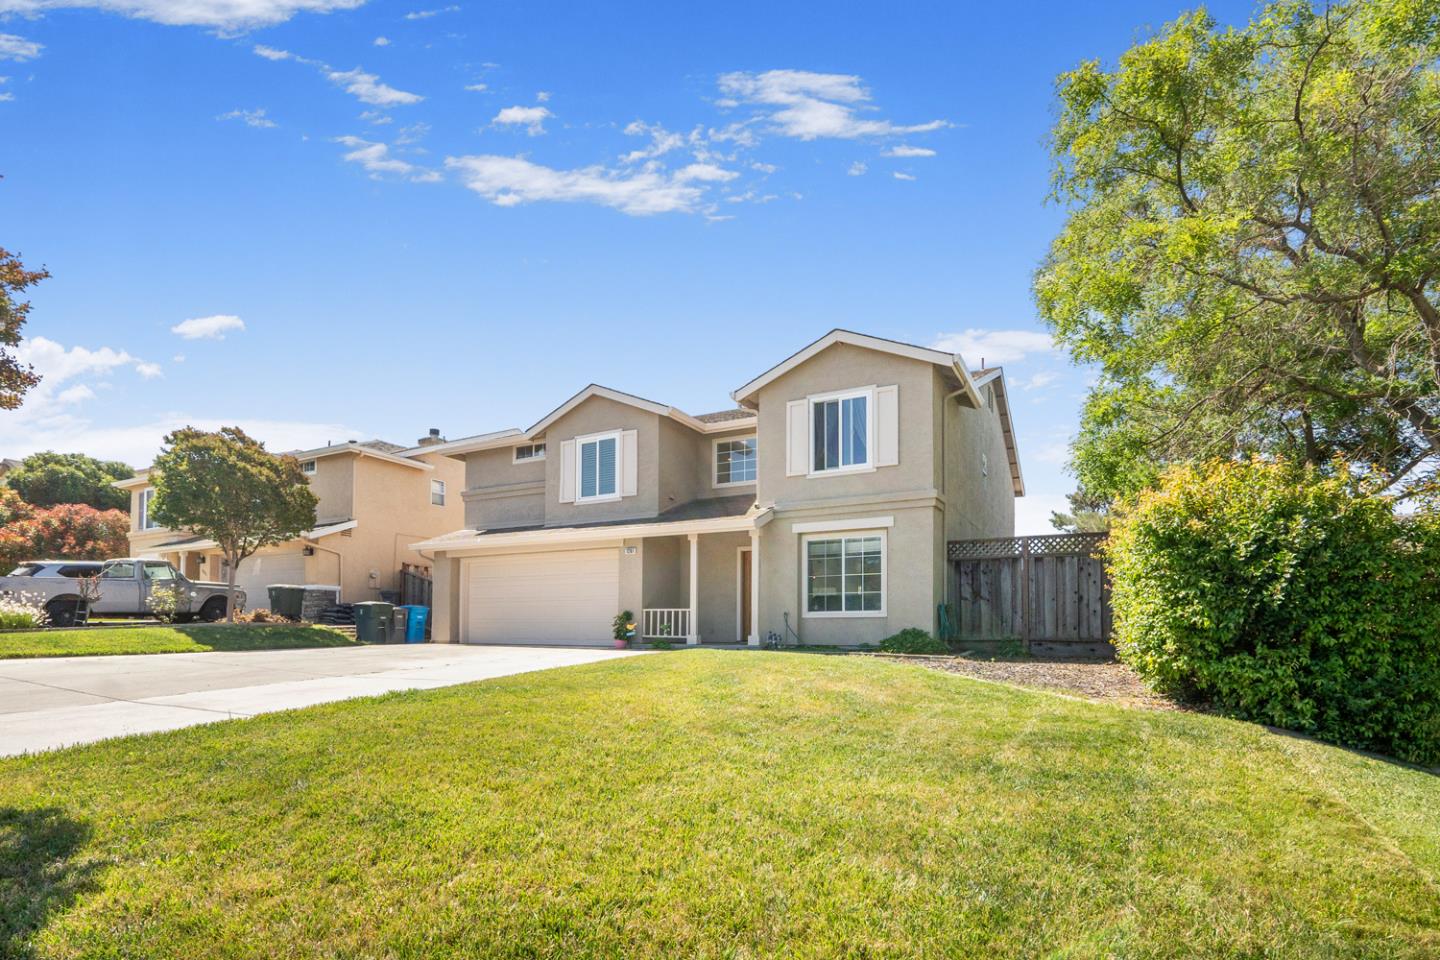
(228, 488)
(46, 479)
(15, 377)
(1252, 244)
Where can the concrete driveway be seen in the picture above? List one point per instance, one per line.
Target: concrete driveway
(61, 701)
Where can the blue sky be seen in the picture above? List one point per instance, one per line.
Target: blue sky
(330, 219)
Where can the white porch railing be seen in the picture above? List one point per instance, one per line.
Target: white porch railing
(667, 623)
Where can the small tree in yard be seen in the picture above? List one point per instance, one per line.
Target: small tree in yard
(46, 479)
(15, 377)
(70, 531)
(228, 488)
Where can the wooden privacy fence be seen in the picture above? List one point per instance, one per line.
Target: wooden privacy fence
(1049, 593)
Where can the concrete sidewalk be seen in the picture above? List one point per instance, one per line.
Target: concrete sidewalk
(62, 701)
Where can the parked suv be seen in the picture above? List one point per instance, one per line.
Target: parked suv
(58, 568)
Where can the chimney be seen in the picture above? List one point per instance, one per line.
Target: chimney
(433, 438)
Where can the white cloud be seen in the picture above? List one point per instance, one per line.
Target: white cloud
(376, 117)
(1039, 381)
(60, 368)
(178, 358)
(994, 346)
(224, 14)
(367, 88)
(903, 176)
(76, 394)
(857, 169)
(811, 106)
(477, 87)
(1032, 512)
(533, 118)
(382, 41)
(17, 48)
(377, 161)
(662, 141)
(149, 370)
(271, 53)
(542, 96)
(706, 172)
(510, 181)
(6, 96)
(208, 328)
(427, 14)
(252, 118)
(902, 150)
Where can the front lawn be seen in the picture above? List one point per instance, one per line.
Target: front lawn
(96, 641)
(719, 804)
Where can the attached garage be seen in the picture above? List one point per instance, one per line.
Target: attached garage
(561, 597)
(257, 573)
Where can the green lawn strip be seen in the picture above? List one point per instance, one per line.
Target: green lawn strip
(97, 641)
(713, 804)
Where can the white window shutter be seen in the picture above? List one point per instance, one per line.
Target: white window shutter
(567, 472)
(887, 426)
(629, 463)
(797, 438)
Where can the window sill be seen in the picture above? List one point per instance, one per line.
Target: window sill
(733, 483)
(839, 472)
(844, 615)
(607, 499)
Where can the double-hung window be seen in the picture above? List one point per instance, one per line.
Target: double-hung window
(307, 467)
(599, 458)
(845, 575)
(734, 461)
(147, 495)
(840, 437)
(437, 493)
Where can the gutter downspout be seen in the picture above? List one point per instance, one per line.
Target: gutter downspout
(339, 562)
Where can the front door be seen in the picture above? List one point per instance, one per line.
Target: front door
(743, 628)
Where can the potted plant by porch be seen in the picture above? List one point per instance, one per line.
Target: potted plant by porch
(624, 628)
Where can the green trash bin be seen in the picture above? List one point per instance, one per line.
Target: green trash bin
(373, 621)
(286, 600)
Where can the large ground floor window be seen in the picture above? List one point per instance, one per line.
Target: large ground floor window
(845, 575)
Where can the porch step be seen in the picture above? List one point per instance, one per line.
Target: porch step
(346, 629)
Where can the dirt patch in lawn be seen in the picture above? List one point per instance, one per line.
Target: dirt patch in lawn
(1096, 680)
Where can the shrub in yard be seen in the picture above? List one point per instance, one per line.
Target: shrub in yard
(164, 603)
(912, 640)
(1285, 597)
(21, 613)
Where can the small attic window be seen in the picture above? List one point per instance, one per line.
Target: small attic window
(307, 467)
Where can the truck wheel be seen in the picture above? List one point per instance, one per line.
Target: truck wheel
(213, 609)
(62, 612)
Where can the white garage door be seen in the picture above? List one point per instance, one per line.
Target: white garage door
(257, 573)
(564, 597)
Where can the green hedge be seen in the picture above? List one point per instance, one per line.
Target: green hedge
(913, 640)
(1287, 598)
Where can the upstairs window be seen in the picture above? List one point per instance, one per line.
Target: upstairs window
(437, 493)
(599, 458)
(529, 451)
(146, 523)
(840, 432)
(735, 461)
(307, 467)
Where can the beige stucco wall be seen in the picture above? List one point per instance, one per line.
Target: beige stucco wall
(719, 582)
(501, 493)
(667, 576)
(842, 367)
(601, 415)
(979, 494)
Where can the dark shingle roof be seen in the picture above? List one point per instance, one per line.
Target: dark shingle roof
(384, 446)
(710, 508)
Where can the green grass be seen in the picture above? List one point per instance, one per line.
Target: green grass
(713, 804)
(97, 641)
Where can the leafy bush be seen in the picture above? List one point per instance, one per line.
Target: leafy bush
(21, 612)
(1287, 598)
(70, 531)
(165, 603)
(912, 640)
(622, 627)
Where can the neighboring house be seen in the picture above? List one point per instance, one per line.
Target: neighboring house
(377, 500)
(819, 508)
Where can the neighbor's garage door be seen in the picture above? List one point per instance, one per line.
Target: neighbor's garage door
(257, 573)
(564, 597)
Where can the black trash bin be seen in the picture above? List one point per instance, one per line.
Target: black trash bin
(374, 621)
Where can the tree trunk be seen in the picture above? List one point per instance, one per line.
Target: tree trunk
(232, 563)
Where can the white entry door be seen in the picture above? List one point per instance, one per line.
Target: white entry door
(566, 597)
(257, 573)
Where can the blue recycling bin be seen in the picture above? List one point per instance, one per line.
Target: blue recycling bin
(415, 625)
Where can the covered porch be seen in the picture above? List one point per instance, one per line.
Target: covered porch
(700, 588)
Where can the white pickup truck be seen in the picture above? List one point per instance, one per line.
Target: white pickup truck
(125, 587)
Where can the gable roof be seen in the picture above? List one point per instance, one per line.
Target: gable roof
(994, 377)
(951, 362)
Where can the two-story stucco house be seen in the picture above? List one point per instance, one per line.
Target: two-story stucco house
(819, 508)
(376, 501)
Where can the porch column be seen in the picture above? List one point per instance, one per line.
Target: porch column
(694, 635)
(754, 638)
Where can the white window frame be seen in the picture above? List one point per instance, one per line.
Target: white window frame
(805, 542)
(715, 461)
(437, 486)
(841, 395)
(533, 458)
(308, 467)
(146, 522)
(595, 438)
